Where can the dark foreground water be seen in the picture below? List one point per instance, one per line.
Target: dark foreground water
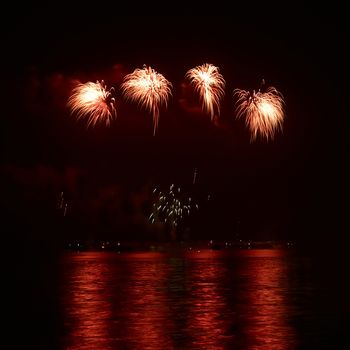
(248, 299)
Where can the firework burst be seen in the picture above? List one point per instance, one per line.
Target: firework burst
(264, 111)
(171, 207)
(148, 88)
(93, 102)
(210, 84)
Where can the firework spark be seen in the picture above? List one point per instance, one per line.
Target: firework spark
(170, 207)
(210, 84)
(194, 176)
(94, 102)
(264, 111)
(149, 88)
(62, 205)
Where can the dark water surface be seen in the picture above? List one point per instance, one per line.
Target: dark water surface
(247, 299)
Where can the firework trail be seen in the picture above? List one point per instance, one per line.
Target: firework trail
(194, 176)
(149, 88)
(93, 102)
(169, 207)
(62, 205)
(210, 84)
(264, 111)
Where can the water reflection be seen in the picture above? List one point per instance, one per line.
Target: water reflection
(146, 312)
(87, 303)
(207, 300)
(209, 315)
(263, 309)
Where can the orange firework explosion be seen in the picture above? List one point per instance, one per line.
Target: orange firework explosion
(148, 88)
(94, 102)
(210, 85)
(264, 111)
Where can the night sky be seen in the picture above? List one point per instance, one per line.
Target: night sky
(291, 185)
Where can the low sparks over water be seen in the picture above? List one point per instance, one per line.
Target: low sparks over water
(210, 84)
(93, 102)
(148, 88)
(170, 207)
(263, 111)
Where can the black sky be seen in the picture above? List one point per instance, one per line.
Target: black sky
(295, 178)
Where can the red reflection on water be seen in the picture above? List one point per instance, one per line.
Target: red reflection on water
(116, 302)
(208, 318)
(199, 300)
(263, 312)
(87, 307)
(147, 319)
